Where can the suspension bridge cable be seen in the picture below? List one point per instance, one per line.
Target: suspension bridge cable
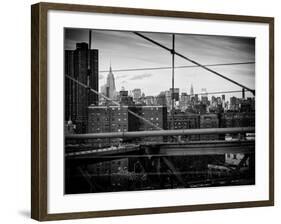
(114, 102)
(220, 92)
(214, 93)
(177, 67)
(193, 61)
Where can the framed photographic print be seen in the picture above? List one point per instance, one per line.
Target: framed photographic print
(138, 111)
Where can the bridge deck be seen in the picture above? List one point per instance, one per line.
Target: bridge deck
(208, 148)
(165, 149)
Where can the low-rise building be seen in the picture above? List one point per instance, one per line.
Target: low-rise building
(209, 121)
(120, 119)
(184, 121)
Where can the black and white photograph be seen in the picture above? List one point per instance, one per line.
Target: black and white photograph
(156, 111)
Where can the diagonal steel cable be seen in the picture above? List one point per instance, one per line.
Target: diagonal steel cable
(114, 102)
(193, 61)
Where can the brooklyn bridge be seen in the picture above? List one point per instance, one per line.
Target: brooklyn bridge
(150, 156)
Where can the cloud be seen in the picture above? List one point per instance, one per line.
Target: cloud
(126, 50)
(142, 76)
(121, 76)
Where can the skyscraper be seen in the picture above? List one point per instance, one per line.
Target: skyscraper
(136, 94)
(204, 96)
(109, 88)
(184, 101)
(125, 99)
(82, 65)
(161, 99)
(191, 90)
(93, 74)
(176, 93)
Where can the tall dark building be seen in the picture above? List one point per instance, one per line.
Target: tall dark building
(94, 76)
(70, 87)
(82, 65)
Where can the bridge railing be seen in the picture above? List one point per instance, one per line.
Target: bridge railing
(179, 132)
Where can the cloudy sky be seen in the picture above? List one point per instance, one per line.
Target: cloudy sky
(125, 50)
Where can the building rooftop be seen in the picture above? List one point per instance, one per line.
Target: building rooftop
(123, 106)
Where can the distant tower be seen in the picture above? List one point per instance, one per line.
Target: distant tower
(204, 92)
(204, 96)
(109, 88)
(191, 90)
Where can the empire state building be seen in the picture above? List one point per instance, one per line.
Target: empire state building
(109, 89)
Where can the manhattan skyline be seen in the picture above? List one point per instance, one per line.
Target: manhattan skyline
(125, 50)
(118, 139)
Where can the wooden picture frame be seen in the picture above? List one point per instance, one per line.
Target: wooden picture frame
(39, 109)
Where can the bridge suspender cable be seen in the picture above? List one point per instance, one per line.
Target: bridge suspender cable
(173, 81)
(114, 102)
(194, 62)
